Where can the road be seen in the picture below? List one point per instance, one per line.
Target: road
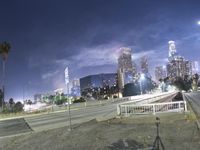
(55, 120)
(59, 119)
(194, 99)
(13, 127)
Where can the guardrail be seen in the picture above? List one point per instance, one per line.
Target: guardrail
(151, 108)
(154, 108)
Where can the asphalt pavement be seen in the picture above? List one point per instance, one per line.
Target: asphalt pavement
(194, 99)
(13, 127)
(58, 119)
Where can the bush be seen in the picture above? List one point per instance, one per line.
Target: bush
(115, 96)
(18, 107)
(60, 101)
(80, 100)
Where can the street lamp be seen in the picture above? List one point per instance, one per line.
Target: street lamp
(142, 77)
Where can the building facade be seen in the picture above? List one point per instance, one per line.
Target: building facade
(195, 67)
(160, 72)
(172, 50)
(99, 86)
(179, 67)
(144, 65)
(75, 90)
(126, 69)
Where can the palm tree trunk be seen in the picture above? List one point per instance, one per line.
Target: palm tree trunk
(3, 84)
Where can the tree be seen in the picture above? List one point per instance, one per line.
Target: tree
(183, 84)
(61, 101)
(79, 100)
(11, 104)
(29, 102)
(4, 50)
(18, 107)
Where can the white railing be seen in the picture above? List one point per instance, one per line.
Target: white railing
(149, 98)
(154, 108)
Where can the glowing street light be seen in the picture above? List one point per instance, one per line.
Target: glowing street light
(198, 22)
(142, 77)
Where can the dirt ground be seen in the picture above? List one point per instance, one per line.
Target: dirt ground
(177, 132)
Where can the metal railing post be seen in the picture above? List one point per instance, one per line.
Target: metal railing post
(179, 105)
(125, 110)
(154, 111)
(185, 106)
(118, 110)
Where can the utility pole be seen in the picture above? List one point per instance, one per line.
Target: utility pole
(69, 113)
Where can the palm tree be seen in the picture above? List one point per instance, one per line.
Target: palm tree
(4, 50)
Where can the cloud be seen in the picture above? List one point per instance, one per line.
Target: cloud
(63, 62)
(138, 55)
(97, 56)
(49, 74)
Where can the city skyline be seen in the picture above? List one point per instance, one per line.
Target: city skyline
(86, 37)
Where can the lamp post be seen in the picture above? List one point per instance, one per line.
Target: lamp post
(69, 113)
(142, 77)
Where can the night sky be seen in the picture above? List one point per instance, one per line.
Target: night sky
(85, 35)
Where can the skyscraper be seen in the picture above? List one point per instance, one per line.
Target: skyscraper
(160, 72)
(67, 80)
(125, 67)
(172, 50)
(75, 90)
(195, 67)
(144, 65)
(125, 60)
(179, 67)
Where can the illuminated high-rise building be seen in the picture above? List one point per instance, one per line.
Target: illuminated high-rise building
(125, 60)
(172, 50)
(195, 67)
(144, 65)
(179, 67)
(75, 90)
(125, 67)
(160, 72)
(75, 82)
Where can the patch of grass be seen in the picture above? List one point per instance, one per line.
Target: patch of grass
(190, 116)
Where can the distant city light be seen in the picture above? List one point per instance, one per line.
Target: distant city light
(142, 77)
(164, 67)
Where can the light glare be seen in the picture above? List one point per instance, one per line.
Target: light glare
(142, 77)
